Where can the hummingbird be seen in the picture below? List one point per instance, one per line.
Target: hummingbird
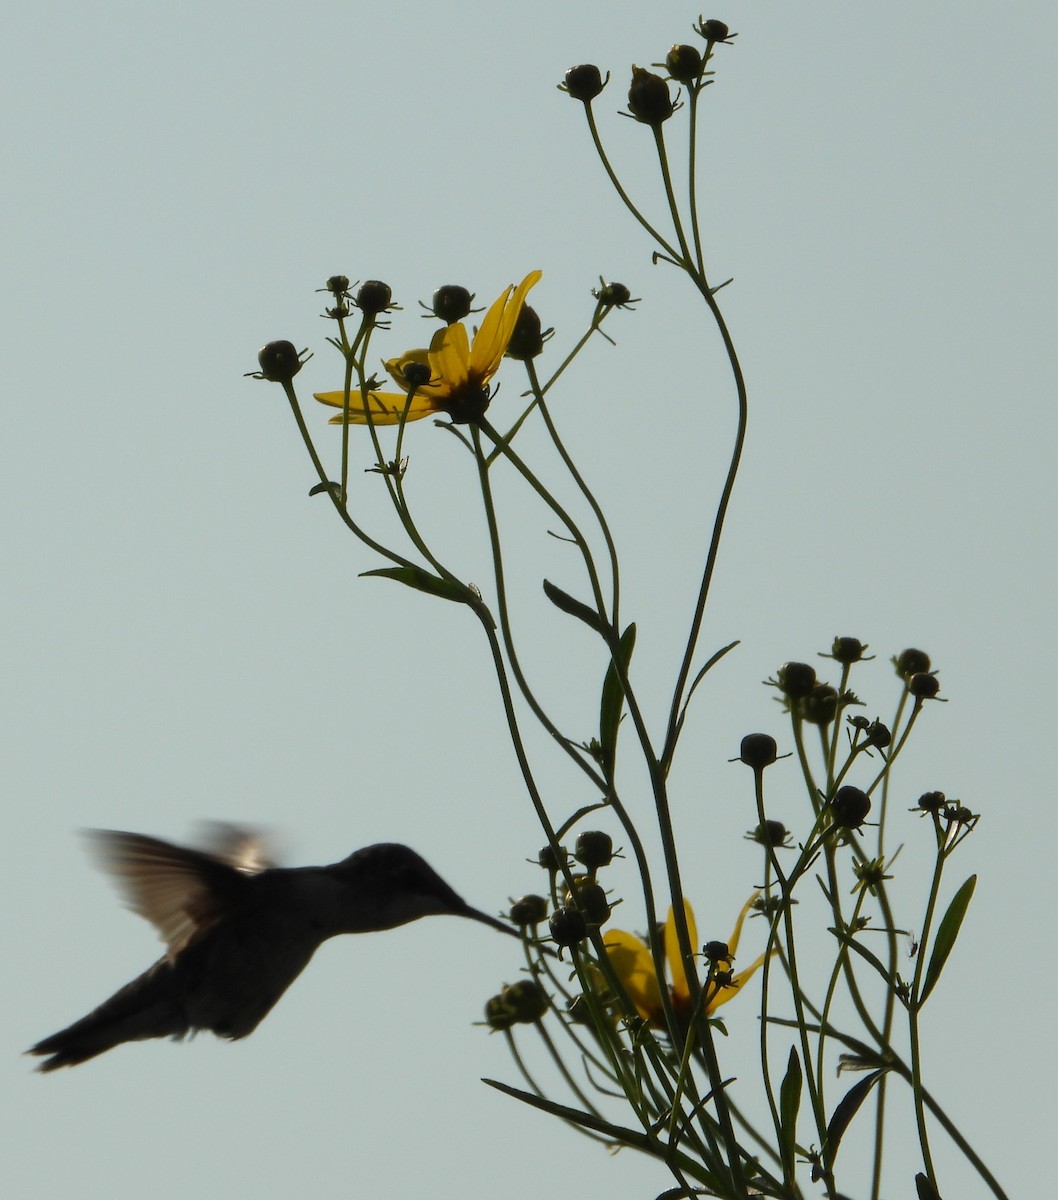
(239, 930)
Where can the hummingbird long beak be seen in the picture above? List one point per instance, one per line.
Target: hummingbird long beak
(475, 914)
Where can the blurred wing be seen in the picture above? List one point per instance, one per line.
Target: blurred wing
(182, 892)
(244, 849)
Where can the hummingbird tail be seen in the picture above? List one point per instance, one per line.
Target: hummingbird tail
(144, 1008)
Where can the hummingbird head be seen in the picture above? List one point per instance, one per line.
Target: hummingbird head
(392, 885)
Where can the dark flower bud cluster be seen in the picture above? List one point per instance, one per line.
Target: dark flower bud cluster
(795, 680)
(521, 1003)
(911, 662)
(875, 733)
(568, 925)
(820, 706)
(590, 898)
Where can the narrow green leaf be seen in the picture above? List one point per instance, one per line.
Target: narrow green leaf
(847, 1108)
(575, 608)
(613, 698)
(423, 581)
(947, 932)
(924, 1189)
(789, 1104)
(867, 955)
(628, 1137)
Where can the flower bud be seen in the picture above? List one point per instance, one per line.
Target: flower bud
(648, 98)
(590, 898)
(923, 686)
(546, 858)
(717, 952)
(850, 807)
(847, 650)
(568, 925)
(911, 662)
(338, 285)
(527, 339)
(684, 64)
(612, 295)
(529, 910)
(416, 374)
(279, 362)
(584, 82)
(373, 297)
(526, 999)
(594, 849)
(796, 679)
(770, 833)
(451, 303)
(521, 1003)
(931, 802)
(497, 1014)
(712, 31)
(758, 750)
(820, 706)
(878, 735)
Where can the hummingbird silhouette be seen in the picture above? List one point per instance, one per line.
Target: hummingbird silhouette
(239, 931)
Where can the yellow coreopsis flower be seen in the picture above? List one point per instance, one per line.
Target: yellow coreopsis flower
(634, 964)
(457, 370)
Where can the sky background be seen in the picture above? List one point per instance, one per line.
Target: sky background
(187, 635)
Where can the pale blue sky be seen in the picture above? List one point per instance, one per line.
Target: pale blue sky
(188, 637)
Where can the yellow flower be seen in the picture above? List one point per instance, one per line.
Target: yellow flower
(632, 960)
(459, 370)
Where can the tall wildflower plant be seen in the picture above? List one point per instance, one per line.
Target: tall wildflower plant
(631, 1022)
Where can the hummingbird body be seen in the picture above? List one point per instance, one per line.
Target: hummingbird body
(239, 932)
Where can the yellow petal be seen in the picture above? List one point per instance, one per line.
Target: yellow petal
(386, 407)
(727, 993)
(672, 951)
(490, 341)
(634, 966)
(449, 355)
(736, 933)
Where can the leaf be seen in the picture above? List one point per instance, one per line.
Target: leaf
(847, 1108)
(617, 1133)
(423, 581)
(863, 952)
(925, 1190)
(628, 1137)
(947, 932)
(613, 697)
(789, 1103)
(576, 608)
